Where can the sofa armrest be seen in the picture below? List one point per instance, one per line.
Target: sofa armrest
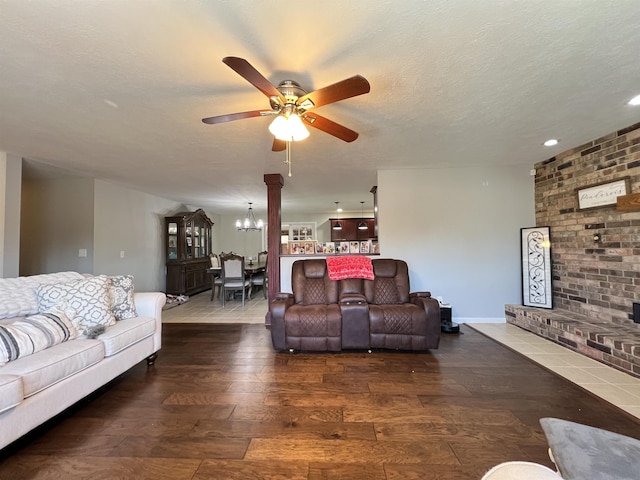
(284, 296)
(432, 309)
(149, 304)
(420, 294)
(279, 307)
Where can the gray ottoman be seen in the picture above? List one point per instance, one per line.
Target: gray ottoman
(582, 452)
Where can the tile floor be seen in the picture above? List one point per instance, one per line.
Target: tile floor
(614, 386)
(201, 309)
(608, 383)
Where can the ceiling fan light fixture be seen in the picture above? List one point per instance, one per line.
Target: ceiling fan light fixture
(288, 128)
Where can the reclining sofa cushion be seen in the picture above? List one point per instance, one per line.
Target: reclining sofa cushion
(391, 282)
(314, 321)
(394, 322)
(11, 393)
(311, 284)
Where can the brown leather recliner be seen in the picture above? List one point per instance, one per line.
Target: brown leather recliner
(398, 319)
(310, 319)
(326, 315)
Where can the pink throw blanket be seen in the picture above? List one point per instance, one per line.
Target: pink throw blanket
(341, 267)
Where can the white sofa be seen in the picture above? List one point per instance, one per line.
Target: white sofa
(36, 387)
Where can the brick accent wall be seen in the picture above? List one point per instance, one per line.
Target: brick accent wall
(594, 283)
(595, 279)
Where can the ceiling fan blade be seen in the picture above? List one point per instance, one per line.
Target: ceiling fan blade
(351, 87)
(330, 127)
(234, 116)
(278, 145)
(253, 76)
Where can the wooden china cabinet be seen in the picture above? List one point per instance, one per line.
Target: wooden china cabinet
(188, 245)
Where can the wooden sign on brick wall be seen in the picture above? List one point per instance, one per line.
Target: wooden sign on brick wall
(628, 203)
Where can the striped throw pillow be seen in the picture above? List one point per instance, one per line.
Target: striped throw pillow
(35, 332)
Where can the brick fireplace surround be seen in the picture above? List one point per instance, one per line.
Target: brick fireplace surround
(594, 283)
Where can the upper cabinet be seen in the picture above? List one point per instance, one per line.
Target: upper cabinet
(350, 229)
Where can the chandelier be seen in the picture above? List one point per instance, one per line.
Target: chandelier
(249, 222)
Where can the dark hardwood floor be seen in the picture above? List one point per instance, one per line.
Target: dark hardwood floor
(221, 404)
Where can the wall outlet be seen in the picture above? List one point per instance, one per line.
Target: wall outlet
(121, 253)
(636, 312)
(82, 252)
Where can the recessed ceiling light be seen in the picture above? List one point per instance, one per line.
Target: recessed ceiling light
(634, 101)
(551, 142)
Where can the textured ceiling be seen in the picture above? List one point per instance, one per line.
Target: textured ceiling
(117, 89)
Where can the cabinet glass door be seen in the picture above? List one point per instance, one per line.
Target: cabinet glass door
(172, 240)
(205, 242)
(189, 239)
(197, 241)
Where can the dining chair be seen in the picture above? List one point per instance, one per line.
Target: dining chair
(233, 277)
(262, 256)
(261, 278)
(217, 277)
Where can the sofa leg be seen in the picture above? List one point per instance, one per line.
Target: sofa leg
(152, 358)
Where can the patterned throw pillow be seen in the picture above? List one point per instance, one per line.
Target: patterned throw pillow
(89, 297)
(121, 291)
(36, 332)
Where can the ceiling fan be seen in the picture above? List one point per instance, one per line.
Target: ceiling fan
(289, 101)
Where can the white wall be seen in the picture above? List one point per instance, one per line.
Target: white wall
(10, 193)
(229, 239)
(132, 222)
(459, 231)
(56, 222)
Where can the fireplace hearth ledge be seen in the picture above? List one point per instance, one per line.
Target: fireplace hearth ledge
(612, 344)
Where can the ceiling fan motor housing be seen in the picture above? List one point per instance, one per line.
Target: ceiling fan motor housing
(290, 90)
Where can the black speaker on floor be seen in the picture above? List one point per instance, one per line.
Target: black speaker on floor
(446, 324)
